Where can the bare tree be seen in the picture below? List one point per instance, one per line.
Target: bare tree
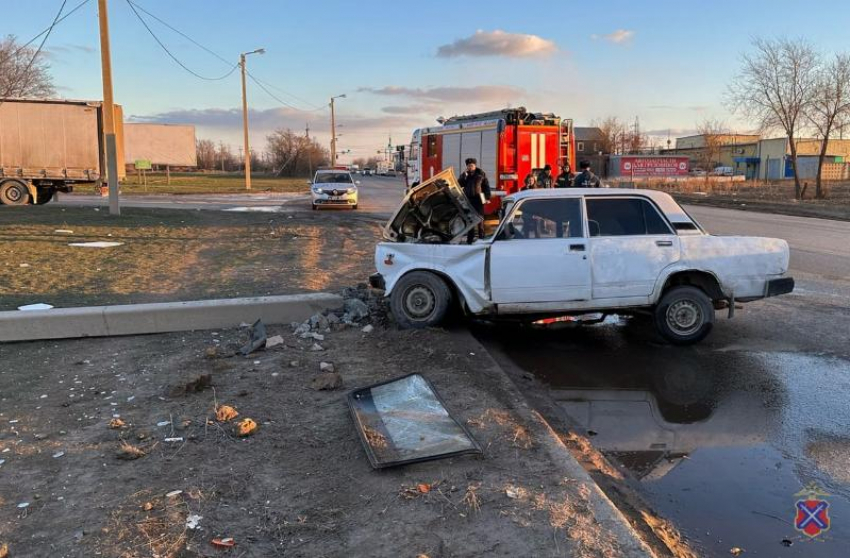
(613, 133)
(775, 87)
(205, 150)
(291, 154)
(830, 107)
(713, 132)
(22, 73)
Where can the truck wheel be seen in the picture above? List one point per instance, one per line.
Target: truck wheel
(14, 192)
(684, 316)
(420, 299)
(45, 195)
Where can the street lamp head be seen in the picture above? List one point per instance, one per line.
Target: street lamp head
(257, 51)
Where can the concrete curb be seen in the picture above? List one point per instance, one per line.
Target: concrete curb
(133, 319)
(609, 517)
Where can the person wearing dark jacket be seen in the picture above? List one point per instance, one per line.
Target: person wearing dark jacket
(545, 178)
(586, 178)
(476, 188)
(565, 179)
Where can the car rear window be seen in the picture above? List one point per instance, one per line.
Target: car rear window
(624, 217)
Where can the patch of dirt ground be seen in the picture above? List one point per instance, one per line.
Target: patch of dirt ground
(112, 447)
(162, 251)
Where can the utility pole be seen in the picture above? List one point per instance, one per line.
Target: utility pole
(108, 111)
(333, 130)
(245, 115)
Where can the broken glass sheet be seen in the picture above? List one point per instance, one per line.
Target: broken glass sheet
(404, 421)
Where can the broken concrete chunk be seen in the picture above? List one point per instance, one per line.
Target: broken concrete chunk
(356, 309)
(256, 338)
(274, 341)
(301, 329)
(316, 347)
(312, 335)
(326, 367)
(327, 381)
(368, 329)
(333, 318)
(318, 322)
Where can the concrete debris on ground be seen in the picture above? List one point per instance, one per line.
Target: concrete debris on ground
(274, 341)
(326, 367)
(362, 307)
(327, 381)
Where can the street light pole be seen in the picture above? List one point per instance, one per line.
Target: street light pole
(245, 115)
(333, 130)
(108, 111)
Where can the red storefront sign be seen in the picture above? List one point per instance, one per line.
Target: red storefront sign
(654, 166)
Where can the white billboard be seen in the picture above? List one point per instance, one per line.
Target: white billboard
(161, 144)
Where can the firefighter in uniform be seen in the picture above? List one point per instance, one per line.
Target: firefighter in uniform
(586, 178)
(476, 187)
(565, 179)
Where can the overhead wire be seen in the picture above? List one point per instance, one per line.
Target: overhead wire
(226, 61)
(47, 30)
(38, 50)
(172, 56)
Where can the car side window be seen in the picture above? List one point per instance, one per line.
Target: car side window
(540, 219)
(624, 217)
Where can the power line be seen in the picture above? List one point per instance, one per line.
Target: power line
(276, 98)
(48, 30)
(226, 61)
(168, 52)
(38, 50)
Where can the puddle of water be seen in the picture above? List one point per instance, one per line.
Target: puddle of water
(721, 440)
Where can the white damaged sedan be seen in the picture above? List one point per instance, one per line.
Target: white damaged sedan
(562, 252)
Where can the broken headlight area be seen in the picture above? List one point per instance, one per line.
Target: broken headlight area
(405, 421)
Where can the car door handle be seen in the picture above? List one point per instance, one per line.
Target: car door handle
(664, 243)
(576, 247)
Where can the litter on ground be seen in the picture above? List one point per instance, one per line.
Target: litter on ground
(97, 244)
(36, 306)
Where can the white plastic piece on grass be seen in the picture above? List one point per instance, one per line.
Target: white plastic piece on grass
(36, 306)
(58, 454)
(173, 440)
(97, 244)
(163, 423)
(63, 231)
(193, 521)
(174, 493)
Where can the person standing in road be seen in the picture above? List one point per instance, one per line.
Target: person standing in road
(530, 182)
(545, 178)
(586, 178)
(476, 188)
(565, 179)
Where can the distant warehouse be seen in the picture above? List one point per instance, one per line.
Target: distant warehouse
(167, 145)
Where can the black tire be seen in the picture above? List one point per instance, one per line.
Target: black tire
(684, 315)
(420, 299)
(315, 207)
(354, 206)
(45, 195)
(14, 192)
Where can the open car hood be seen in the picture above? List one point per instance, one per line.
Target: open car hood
(435, 211)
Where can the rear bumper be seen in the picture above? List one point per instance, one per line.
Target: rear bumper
(776, 287)
(376, 281)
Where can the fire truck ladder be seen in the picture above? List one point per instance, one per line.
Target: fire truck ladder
(566, 154)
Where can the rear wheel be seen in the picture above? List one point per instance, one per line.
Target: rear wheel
(45, 195)
(420, 299)
(315, 207)
(14, 192)
(684, 315)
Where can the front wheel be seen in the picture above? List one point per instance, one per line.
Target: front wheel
(684, 315)
(420, 299)
(13, 192)
(315, 207)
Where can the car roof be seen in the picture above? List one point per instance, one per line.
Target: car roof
(663, 200)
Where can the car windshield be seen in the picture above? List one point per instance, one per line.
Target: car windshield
(333, 178)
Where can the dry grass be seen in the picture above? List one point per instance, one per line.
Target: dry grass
(207, 183)
(173, 255)
(838, 193)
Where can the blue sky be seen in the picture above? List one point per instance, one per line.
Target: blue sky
(666, 62)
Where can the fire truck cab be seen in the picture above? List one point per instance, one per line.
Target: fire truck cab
(509, 144)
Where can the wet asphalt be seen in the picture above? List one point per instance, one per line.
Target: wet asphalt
(720, 436)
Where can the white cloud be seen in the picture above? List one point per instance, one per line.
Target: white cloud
(498, 43)
(478, 93)
(618, 37)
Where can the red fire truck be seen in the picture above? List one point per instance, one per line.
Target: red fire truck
(508, 144)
